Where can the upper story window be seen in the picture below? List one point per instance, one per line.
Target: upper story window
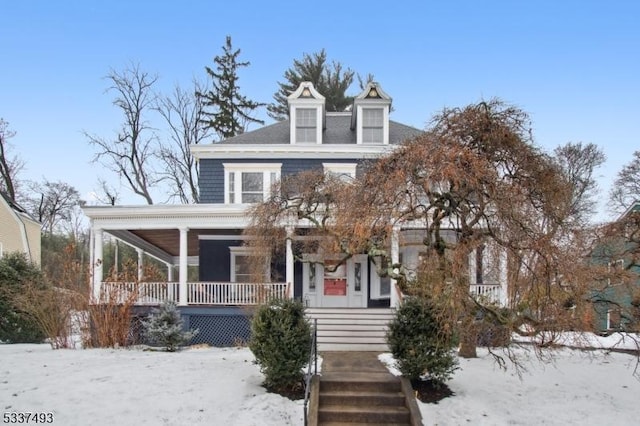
(249, 183)
(344, 171)
(306, 113)
(372, 125)
(370, 116)
(306, 125)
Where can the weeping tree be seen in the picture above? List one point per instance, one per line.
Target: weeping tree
(474, 182)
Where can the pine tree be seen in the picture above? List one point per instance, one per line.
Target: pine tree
(328, 79)
(164, 327)
(226, 111)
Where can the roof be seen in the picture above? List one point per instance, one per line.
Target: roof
(17, 208)
(337, 131)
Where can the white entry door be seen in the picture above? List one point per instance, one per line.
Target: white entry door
(330, 286)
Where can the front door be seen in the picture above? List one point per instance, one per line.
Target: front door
(329, 285)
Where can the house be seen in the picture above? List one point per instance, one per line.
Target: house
(18, 230)
(239, 171)
(616, 298)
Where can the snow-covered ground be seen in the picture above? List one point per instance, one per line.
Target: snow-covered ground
(217, 386)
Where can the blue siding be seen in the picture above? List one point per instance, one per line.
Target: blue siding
(212, 173)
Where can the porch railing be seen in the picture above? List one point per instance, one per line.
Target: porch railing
(215, 293)
(489, 292)
(198, 293)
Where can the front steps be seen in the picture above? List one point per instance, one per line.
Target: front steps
(356, 388)
(351, 329)
(365, 399)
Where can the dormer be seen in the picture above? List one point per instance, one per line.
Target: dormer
(306, 114)
(370, 116)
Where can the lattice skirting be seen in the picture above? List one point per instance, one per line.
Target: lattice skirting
(222, 327)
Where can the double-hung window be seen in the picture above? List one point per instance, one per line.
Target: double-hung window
(249, 183)
(372, 125)
(306, 125)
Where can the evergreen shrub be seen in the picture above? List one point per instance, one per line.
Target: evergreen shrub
(281, 343)
(165, 327)
(419, 343)
(16, 325)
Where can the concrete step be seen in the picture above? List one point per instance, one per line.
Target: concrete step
(362, 399)
(353, 347)
(368, 415)
(358, 382)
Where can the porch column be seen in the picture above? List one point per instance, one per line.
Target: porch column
(182, 278)
(97, 263)
(289, 262)
(395, 258)
(170, 289)
(169, 272)
(140, 264)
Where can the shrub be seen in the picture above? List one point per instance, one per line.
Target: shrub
(281, 343)
(16, 325)
(419, 343)
(165, 327)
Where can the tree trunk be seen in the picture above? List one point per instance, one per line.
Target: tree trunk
(468, 341)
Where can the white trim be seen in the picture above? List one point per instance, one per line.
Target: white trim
(236, 251)
(364, 104)
(288, 151)
(348, 169)
(267, 170)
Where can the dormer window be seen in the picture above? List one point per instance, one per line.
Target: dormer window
(306, 125)
(306, 114)
(372, 125)
(370, 116)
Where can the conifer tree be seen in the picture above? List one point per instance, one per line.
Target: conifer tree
(164, 327)
(226, 111)
(328, 79)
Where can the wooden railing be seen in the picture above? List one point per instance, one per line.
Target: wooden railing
(198, 293)
(489, 292)
(145, 293)
(216, 293)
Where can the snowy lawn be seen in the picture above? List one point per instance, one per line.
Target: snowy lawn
(217, 386)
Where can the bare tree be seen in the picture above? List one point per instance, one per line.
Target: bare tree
(53, 203)
(9, 166)
(181, 112)
(626, 187)
(579, 162)
(474, 182)
(131, 154)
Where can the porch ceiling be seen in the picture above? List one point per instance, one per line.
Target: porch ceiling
(163, 242)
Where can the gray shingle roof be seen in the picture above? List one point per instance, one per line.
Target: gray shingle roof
(337, 131)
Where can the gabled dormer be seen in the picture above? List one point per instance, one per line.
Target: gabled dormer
(370, 116)
(306, 115)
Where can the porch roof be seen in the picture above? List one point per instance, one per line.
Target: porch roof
(155, 228)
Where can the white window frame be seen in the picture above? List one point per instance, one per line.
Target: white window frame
(376, 282)
(341, 169)
(271, 173)
(302, 116)
(378, 127)
(615, 265)
(240, 251)
(360, 110)
(1, 252)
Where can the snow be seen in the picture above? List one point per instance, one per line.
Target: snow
(203, 385)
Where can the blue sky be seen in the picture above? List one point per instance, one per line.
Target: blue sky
(574, 66)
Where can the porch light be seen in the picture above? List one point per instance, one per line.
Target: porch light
(373, 93)
(306, 93)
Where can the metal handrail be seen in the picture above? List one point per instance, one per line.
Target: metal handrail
(313, 356)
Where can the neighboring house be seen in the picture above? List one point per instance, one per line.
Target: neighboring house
(616, 299)
(18, 230)
(239, 171)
